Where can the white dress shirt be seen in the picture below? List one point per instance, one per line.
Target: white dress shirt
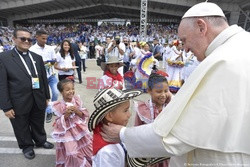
(48, 53)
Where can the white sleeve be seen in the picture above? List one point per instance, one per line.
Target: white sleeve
(142, 141)
(58, 57)
(53, 53)
(122, 131)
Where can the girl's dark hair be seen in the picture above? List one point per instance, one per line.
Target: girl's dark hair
(63, 82)
(70, 49)
(154, 79)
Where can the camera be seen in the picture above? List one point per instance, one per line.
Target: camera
(117, 41)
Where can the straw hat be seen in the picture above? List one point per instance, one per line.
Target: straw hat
(106, 100)
(111, 60)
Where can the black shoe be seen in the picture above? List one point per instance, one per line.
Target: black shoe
(29, 154)
(48, 117)
(47, 145)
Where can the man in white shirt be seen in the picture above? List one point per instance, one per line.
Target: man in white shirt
(83, 54)
(128, 54)
(49, 58)
(117, 48)
(108, 41)
(207, 122)
(99, 50)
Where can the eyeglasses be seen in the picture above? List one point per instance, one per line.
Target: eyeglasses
(23, 39)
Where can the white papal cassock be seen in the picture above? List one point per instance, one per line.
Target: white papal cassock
(208, 121)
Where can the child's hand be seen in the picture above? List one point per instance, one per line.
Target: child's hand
(68, 112)
(73, 109)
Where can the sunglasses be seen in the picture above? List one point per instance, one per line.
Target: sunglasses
(23, 39)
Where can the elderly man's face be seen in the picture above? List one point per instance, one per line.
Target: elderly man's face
(192, 39)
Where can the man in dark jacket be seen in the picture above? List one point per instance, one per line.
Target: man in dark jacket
(24, 93)
(78, 60)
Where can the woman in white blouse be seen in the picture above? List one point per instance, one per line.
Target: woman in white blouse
(65, 61)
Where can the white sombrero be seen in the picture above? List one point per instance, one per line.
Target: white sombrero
(106, 100)
(111, 60)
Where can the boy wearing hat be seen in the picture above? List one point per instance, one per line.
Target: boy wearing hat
(111, 78)
(112, 106)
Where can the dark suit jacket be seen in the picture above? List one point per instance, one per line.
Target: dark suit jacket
(76, 48)
(15, 84)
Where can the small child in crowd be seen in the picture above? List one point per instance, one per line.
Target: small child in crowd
(146, 112)
(112, 105)
(111, 78)
(73, 140)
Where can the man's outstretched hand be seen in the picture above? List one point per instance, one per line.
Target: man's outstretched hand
(110, 133)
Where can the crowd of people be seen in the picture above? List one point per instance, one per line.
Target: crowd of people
(89, 33)
(100, 41)
(190, 96)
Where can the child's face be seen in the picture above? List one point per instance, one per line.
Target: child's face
(160, 93)
(119, 115)
(68, 91)
(113, 68)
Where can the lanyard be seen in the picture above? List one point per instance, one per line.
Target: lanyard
(25, 65)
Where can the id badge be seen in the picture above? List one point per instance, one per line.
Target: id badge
(35, 83)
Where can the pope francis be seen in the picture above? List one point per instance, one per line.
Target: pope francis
(207, 123)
